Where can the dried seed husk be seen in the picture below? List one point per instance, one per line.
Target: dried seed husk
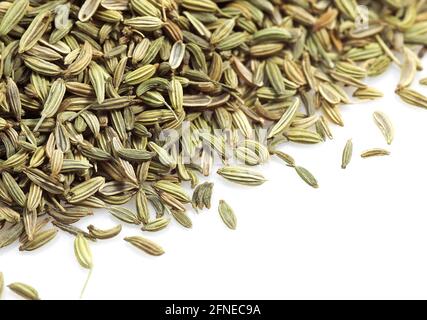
(384, 124)
(88, 9)
(177, 55)
(408, 70)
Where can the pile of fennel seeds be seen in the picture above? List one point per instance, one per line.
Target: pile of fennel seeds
(87, 88)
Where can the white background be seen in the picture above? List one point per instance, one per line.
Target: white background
(363, 234)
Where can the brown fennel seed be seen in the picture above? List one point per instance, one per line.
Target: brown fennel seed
(24, 290)
(376, 152)
(104, 234)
